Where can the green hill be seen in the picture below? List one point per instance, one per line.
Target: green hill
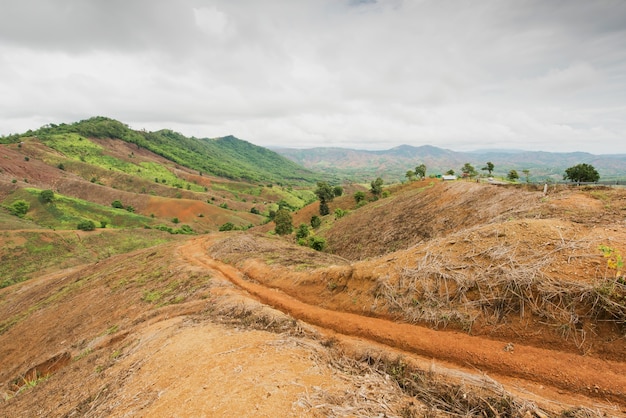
(227, 157)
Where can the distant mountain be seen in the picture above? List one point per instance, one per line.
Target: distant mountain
(392, 164)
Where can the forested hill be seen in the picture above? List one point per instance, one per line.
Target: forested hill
(227, 157)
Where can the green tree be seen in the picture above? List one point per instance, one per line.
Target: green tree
(488, 167)
(450, 172)
(284, 222)
(228, 226)
(86, 225)
(527, 175)
(468, 170)
(325, 194)
(582, 173)
(302, 231)
(337, 191)
(359, 196)
(513, 176)
(420, 171)
(46, 196)
(19, 208)
(410, 175)
(317, 243)
(377, 187)
(316, 222)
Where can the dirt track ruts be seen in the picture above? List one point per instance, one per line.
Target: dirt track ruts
(574, 373)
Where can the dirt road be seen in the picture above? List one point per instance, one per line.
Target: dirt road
(566, 372)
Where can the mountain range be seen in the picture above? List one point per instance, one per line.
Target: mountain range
(392, 164)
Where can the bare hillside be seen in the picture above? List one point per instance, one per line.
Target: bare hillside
(512, 305)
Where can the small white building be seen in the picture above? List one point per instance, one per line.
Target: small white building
(448, 177)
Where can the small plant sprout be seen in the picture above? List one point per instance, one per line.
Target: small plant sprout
(614, 259)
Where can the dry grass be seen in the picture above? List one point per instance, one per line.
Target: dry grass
(383, 385)
(495, 281)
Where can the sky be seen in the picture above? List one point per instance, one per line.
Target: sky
(543, 75)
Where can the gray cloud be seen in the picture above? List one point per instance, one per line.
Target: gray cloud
(365, 74)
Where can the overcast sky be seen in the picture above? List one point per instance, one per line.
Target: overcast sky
(368, 74)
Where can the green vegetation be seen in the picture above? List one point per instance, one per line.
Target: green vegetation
(581, 173)
(377, 187)
(468, 170)
(488, 167)
(512, 176)
(227, 157)
(325, 194)
(86, 225)
(284, 222)
(28, 253)
(46, 196)
(19, 208)
(66, 212)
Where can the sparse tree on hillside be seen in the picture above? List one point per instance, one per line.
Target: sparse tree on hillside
(325, 194)
(513, 176)
(410, 175)
(468, 170)
(284, 222)
(86, 225)
(302, 231)
(46, 196)
(450, 172)
(377, 187)
(527, 175)
(337, 191)
(488, 167)
(420, 171)
(582, 173)
(315, 222)
(359, 197)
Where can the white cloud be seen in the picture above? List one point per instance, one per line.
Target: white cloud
(361, 74)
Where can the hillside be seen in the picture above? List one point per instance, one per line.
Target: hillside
(107, 179)
(392, 164)
(437, 299)
(226, 157)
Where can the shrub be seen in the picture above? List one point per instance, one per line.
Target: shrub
(117, 204)
(175, 220)
(228, 226)
(317, 243)
(46, 196)
(86, 225)
(19, 208)
(340, 213)
(302, 232)
(316, 222)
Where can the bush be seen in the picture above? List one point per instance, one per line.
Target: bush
(316, 222)
(228, 226)
(19, 208)
(46, 196)
(302, 232)
(86, 225)
(117, 204)
(317, 243)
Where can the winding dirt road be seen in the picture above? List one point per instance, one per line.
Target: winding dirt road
(565, 372)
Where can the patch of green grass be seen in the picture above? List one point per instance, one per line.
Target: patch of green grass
(30, 252)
